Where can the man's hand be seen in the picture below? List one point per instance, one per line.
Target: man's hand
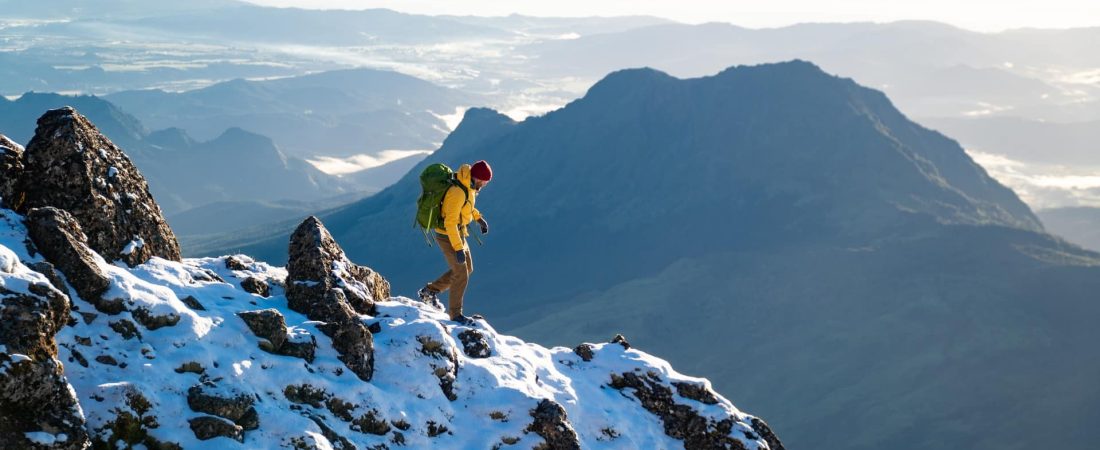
(461, 256)
(484, 225)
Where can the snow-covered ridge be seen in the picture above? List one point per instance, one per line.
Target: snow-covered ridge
(109, 338)
(125, 372)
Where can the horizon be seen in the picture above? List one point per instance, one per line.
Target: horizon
(972, 16)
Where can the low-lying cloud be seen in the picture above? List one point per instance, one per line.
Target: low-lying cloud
(1044, 186)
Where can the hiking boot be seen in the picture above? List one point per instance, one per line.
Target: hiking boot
(430, 296)
(467, 320)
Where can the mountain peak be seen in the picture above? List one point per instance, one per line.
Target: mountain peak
(621, 82)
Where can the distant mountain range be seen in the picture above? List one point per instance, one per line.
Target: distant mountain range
(183, 173)
(931, 69)
(873, 272)
(337, 113)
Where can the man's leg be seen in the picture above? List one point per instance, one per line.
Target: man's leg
(460, 277)
(445, 281)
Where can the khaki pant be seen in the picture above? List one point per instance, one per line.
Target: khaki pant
(455, 278)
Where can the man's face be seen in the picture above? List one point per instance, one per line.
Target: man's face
(478, 184)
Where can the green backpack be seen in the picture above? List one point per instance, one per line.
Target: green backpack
(435, 180)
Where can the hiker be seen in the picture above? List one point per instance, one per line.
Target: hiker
(457, 212)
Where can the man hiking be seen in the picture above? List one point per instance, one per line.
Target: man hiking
(457, 212)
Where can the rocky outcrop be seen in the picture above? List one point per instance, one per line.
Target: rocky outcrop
(325, 286)
(256, 286)
(270, 326)
(586, 351)
(35, 396)
(210, 427)
(684, 422)
(474, 344)
(132, 422)
(446, 367)
(318, 267)
(236, 407)
(553, 425)
(60, 238)
(11, 169)
(70, 165)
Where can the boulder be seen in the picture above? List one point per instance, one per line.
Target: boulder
(234, 406)
(209, 427)
(317, 265)
(11, 170)
(474, 344)
(60, 238)
(269, 325)
(256, 286)
(552, 424)
(585, 351)
(325, 286)
(35, 396)
(682, 421)
(70, 165)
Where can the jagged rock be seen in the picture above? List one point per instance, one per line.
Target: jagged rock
(153, 322)
(125, 328)
(372, 423)
(680, 421)
(51, 274)
(11, 169)
(35, 396)
(29, 320)
(355, 345)
(193, 303)
(761, 428)
(236, 263)
(585, 351)
(447, 372)
(131, 423)
(621, 340)
(106, 359)
(237, 408)
(306, 394)
(70, 165)
(190, 367)
(256, 286)
(59, 237)
(325, 286)
(270, 326)
(209, 427)
(698, 392)
(474, 344)
(266, 324)
(318, 265)
(435, 429)
(553, 425)
(338, 442)
(340, 408)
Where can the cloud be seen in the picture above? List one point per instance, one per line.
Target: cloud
(1043, 186)
(352, 164)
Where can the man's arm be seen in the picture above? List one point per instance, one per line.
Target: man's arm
(452, 213)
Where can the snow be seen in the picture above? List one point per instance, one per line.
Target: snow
(44, 438)
(8, 260)
(133, 245)
(112, 172)
(495, 394)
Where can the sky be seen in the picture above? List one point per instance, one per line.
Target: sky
(978, 15)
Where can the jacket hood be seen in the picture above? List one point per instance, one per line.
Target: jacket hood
(463, 176)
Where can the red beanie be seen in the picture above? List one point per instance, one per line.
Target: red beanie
(481, 171)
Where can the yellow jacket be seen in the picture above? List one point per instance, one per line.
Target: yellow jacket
(457, 212)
